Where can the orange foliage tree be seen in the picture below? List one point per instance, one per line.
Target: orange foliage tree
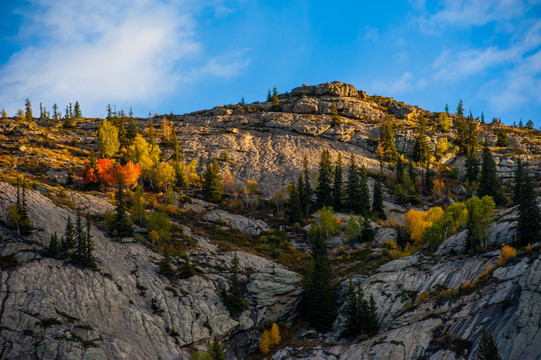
(111, 174)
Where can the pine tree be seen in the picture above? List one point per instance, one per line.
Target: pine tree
(488, 349)
(421, 149)
(377, 201)
(295, 212)
(489, 183)
(352, 325)
(109, 111)
(4, 115)
(335, 119)
(428, 180)
(367, 233)
(151, 136)
(529, 124)
(186, 270)
(89, 261)
(472, 167)
(502, 138)
(275, 100)
(213, 188)
(233, 298)
(25, 226)
(337, 193)
(216, 350)
(28, 110)
(387, 140)
(56, 114)
(164, 266)
(306, 192)
(68, 240)
(131, 131)
(54, 246)
(529, 219)
(320, 298)
(121, 226)
(482, 118)
(80, 248)
(353, 187)
(372, 323)
(364, 193)
(78, 113)
(323, 189)
(399, 171)
(517, 182)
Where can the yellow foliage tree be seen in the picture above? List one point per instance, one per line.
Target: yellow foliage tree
(438, 190)
(146, 155)
(507, 253)
(229, 182)
(418, 221)
(108, 138)
(265, 342)
(275, 334)
(165, 175)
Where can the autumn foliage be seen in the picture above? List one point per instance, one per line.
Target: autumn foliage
(507, 253)
(110, 173)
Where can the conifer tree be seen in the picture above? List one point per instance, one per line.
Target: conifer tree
(216, 350)
(352, 321)
(275, 100)
(518, 182)
(428, 178)
(399, 171)
(306, 192)
(323, 189)
(233, 297)
(109, 111)
(28, 110)
(186, 270)
(367, 233)
(387, 140)
(488, 350)
(80, 248)
(421, 149)
(121, 226)
(131, 131)
(472, 167)
(89, 260)
(377, 201)
(353, 187)
(213, 188)
(68, 240)
(151, 136)
(338, 186)
(54, 246)
(335, 119)
(364, 193)
(489, 183)
(529, 219)
(164, 266)
(4, 115)
(295, 208)
(25, 225)
(320, 298)
(56, 114)
(78, 114)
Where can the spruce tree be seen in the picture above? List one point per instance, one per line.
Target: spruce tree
(68, 240)
(421, 149)
(213, 188)
(25, 225)
(428, 178)
(186, 270)
(216, 350)
(320, 298)
(54, 246)
(164, 266)
(131, 131)
(517, 182)
(472, 167)
(372, 323)
(488, 350)
(364, 193)
(28, 110)
(352, 325)
(338, 186)
(295, 208)
(377, 201)
(387, 140)
(367, 233)
(233, 298)
(78, 113)
(323, 189)
(489, 183)
(529, 219)
(121, 226)
(80, 240)
(276, 106)
(307, 192)
(353, 187)
(89, 260)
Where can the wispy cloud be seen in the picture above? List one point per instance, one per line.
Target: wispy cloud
(105, 51)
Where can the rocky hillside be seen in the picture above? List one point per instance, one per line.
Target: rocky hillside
(432, 304)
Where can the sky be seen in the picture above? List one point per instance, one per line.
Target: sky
(158, 56)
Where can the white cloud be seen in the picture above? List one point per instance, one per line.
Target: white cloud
(406, 82)
(103, 51)
(467, 13)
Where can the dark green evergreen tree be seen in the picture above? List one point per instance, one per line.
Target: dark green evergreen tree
(364, 195)
(367, 233)
(488, 349)
(518, 181)
(387, 140)
(353, 187)
(56, 114)
(472, 167)
(399, 171)
(421, 149)
(213, 188)
(80, 238)
(502, 137)
(233, 298)
(529, 215)
(372, 323)
(78, 114)
(377, 201)
(121, 226)
(295, 212)
(216, 350)
(335, 119)
(28, 110)
(489, 183)
(131, 131)
(306, 193)
(276, 106)
(529, 124)
(323, 189)
(25, 226)
(352, 321)
(320, 297)
(109, 111)
(69, 179)
(54, 247)
(428, 179)
(338, 186)
(68, 240)
(89, 260)
(164, 266)
(186, 270)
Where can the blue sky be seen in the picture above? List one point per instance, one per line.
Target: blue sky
(187, 55)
